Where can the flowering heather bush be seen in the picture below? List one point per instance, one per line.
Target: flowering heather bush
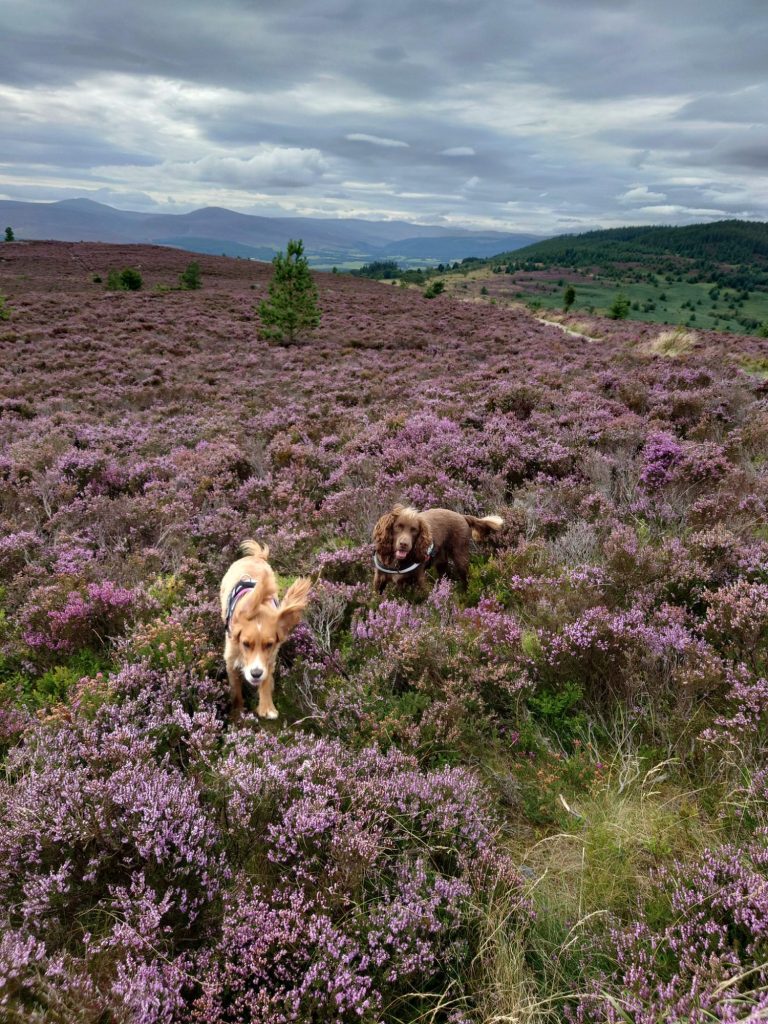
(434, 677)
(625, 652)
(88, 616)
(698, 965)
(253, 879)
(742, 725)
(366, 866)
(156, 866)
(737, 621)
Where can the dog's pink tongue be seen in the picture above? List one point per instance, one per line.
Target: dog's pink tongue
(400, 555)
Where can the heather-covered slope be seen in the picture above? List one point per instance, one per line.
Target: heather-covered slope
(541, 799)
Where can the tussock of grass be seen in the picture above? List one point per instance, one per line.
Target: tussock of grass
(673, 343)
(588, 327)
(757, 367)
(590, 875)
(505, 980)
(633, 821)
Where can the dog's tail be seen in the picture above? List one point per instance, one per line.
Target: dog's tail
(483, 528)
(251, 547)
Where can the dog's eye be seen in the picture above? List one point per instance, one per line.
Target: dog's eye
(247, 645)
(269, 645)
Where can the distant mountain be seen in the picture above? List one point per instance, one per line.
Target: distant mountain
(724, 242)
(220, 231)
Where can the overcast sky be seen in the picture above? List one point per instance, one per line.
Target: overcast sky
(543, 116)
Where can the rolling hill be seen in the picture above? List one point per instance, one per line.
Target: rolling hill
(218, 231)
(711, 276)
(727, 241)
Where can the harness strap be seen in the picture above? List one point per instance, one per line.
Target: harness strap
(404, 572)
(241, 587)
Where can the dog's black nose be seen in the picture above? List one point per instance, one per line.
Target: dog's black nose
(256, 674)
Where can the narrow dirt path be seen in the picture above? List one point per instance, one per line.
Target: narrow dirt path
(564, 329)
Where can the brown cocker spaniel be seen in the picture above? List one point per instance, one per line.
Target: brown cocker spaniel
(408, 542)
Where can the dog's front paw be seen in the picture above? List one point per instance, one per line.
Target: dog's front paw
(270, 713)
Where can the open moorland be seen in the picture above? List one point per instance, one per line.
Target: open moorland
(540, 799)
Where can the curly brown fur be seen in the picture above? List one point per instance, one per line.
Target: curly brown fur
(258, 626)
(402, 538)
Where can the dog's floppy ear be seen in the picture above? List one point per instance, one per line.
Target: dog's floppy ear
(292, 606)
(423, 541)
(383, 532)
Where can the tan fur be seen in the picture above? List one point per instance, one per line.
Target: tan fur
(258, 626)
(409, 532)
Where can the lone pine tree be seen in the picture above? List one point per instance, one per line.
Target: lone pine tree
(291, 308)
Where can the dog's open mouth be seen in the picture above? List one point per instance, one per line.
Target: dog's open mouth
(401, 553)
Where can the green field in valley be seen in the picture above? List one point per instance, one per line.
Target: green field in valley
(701, 305)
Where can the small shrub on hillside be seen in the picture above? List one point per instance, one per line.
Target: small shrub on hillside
(291, 309)
(187, 637)
(16, 550)
(190, 278)
(620, 308)
(737, 622)
(623, 654)
(438, 679)
(55, 686)
(742, 724)
(434, 289)
(131, 279)
(128, 280)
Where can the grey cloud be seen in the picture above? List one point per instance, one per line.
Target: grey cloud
(742, 155)
(430, 110)
(64, 147)
(746, 106)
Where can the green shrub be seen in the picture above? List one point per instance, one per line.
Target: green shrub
(55, 685)
(434, 289)
(292, 307)
(128, 280)
(558, 711)
(131, 279)
(190, 278)
(620, 308)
